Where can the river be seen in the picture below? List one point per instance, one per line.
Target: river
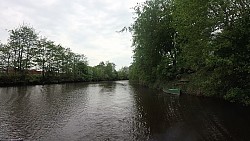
(108, 111)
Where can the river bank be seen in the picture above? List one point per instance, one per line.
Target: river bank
(198, 85)
(38, 80)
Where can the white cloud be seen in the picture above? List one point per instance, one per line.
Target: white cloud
(88, 27)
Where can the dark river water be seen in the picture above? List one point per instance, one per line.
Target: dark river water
(108, 111)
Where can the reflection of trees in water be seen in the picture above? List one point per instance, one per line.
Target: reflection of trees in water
(143, 123)
(107, 87)
(157, 111)
(11, 112)
(201, 115)
(34, 110)
(217, 118)
(19, 111)
(168, 117)
(63, 100)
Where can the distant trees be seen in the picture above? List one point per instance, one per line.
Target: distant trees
(207, 42)
(104, 71)
(26, 58)
(123, 73)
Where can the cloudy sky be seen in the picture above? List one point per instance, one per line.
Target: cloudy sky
(86, 26)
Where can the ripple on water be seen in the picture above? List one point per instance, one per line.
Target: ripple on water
(115, 111)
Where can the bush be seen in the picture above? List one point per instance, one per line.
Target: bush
(238, 95)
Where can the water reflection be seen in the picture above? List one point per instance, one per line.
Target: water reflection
(116, 111)
(169, 117)
(31, 111)
(159, 114)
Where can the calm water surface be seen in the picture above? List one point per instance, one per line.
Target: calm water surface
(116, 111)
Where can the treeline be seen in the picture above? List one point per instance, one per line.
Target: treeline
(106, 71)
(204, 42)
(28, 58)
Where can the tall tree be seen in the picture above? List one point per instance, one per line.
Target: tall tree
(22, 40)
(154, 40)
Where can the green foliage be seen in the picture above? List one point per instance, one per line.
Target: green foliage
(29, 59)
(238, 95)
(153, 41)
(103, 71)
(123, 73)
(206, 41)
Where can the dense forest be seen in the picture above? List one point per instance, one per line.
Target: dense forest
(27, 58)
(201, 46)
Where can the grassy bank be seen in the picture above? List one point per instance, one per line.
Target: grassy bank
(206, 86)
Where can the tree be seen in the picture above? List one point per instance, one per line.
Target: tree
(216, 44)
(110, 72)
(123, 73)
(5, 57)
(22, 42)
(153, 40)
(205, 41)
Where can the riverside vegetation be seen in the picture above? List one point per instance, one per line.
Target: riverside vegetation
(204, 42)
(28, 59)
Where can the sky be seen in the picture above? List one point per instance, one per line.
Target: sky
(85, 26)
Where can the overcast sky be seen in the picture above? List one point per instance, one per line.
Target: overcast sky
(86, 26)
